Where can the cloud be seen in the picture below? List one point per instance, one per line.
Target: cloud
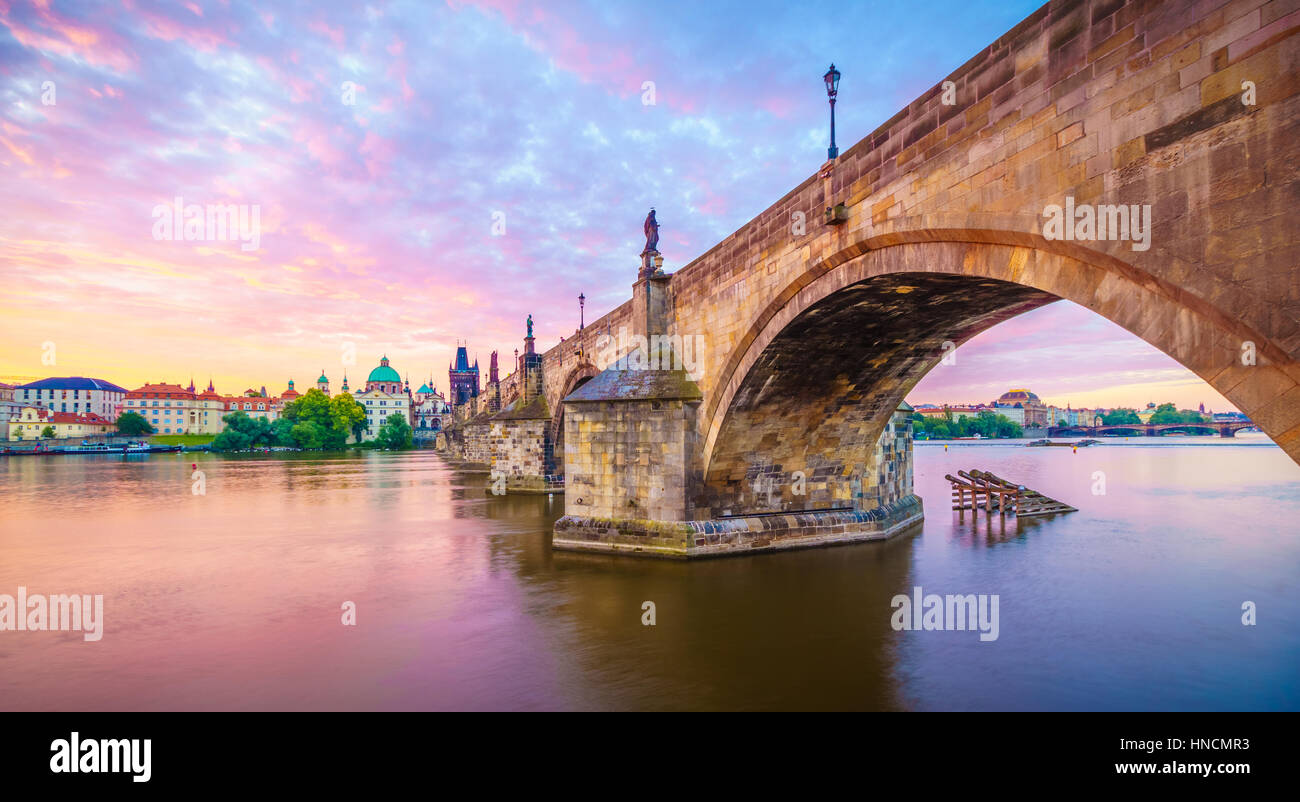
(376, 217)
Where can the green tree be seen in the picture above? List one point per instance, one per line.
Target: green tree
(1167, 413)
(242, 432)
(133, 423)
(986, 424)
(396, 433)
(332, 419)
(47, 432)
(1118, 417)
(231, 440)
(347, 417)
(282, 433)
(310, 434)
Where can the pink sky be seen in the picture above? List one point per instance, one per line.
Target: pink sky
(376, 216)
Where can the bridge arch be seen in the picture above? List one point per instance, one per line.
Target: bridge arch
(579, 375)
(812, 383)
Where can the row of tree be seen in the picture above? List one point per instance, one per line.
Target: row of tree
(312, 421)
(1165, 413)
(985, 424)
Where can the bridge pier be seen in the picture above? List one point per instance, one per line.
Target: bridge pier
(630, 442)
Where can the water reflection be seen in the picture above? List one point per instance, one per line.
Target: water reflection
(231, 600)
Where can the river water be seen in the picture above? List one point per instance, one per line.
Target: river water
(232, 599)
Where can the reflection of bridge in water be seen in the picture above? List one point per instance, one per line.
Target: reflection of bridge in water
(1153, 429)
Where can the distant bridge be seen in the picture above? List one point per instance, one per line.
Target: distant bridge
(1151, 429)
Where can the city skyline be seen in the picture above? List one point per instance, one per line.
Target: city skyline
(982, 369)
(378, 212)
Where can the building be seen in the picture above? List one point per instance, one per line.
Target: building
(254, 404)
(463, 377)
(31, 422)
(383, 397)
(74, 394)
(210, 407)
(169, 408)
(1015, 414)
(956, 412)
(1033, 412)
(430, 412)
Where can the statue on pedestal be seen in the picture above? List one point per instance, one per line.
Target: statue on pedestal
(651, 252)
(651, 228)
(530, 325)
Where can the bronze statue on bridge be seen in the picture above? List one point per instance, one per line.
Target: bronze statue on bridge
(651, 229)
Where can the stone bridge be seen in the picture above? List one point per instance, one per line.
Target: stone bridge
(819, 315)
(1152, 429)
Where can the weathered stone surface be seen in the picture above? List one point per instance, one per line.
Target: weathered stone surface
(1099, 101)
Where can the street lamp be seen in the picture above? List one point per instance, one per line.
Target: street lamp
(832, 79)
(582, 302)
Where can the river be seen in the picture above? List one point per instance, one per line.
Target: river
(233, 598)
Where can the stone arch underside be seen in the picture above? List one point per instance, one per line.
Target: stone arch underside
(813, 385)
(579, 376)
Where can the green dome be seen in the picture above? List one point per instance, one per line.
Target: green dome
(322, 379)
(384, 373)
(424, 388)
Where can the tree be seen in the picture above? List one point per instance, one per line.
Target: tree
(986, 424)
(332, 419)
(396, 433)
(1167, 413)
(243, 432)
(48, 432)
(310, 434)
(1117, 417)
(282, 433)
(347, 417)
(133, 423)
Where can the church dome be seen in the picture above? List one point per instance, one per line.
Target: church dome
(384, 373)
(424, 388)
(1018, 396)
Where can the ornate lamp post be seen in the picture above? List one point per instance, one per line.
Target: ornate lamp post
(582, 302)
(832, 79)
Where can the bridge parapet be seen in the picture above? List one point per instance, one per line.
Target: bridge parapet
(1175, 124)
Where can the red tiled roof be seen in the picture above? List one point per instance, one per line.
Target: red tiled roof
(90, 418)
(162, 390)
